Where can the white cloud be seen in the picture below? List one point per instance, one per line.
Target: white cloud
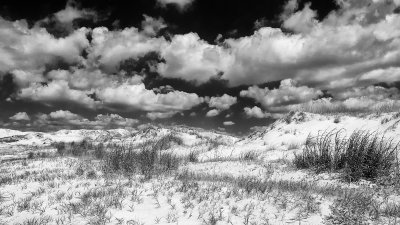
(111, 92)
(192, 59)
(110, 48)
(151, 25)
(289, 8)
(160, 115)
(222, 103)
(181, 4)
(63, 20)
(20, 116)
(302, 21)
(23, 78)
(64, 115)
(23, 48)
(114, 120)
(67, 119)
(85, 79)
(354, 46)
(288, 93)
(71, 13)
(256, 112)
(389, 75)
(56, 91)
(212, 113)
(136, 96)
(228, 123)
(327, 52)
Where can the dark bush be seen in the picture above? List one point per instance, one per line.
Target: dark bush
(168, 162)
(193, 157)
(31, 155)
(249, 156)
(99, 151)
(60, 146)
(80, 148)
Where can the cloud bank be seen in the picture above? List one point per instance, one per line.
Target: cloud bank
(349, 60)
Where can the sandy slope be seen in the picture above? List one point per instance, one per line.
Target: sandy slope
(166, 200)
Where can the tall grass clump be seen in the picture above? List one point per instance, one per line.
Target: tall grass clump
(369, 155)
(323, 152)
(60, 146)
(363, 154)
(74, 148)
(148, 160)
(99, 151)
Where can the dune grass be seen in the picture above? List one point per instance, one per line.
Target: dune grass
(363, 154)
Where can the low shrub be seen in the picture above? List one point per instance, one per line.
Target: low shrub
(99, 151)
(337, 119)
(74, 148)
(193, 157)
(353, 208)
(31, 155)
(60, 146)
(249, 156)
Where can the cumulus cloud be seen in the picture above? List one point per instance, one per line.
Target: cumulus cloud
(289, 8)
(55, 92)
(62, 21)
(138, 97)
(95, 89)
(337, 52)
(333, 53)
(256, 112)
(67, 119)
(222, 103)
(288, 93)
(160, 115)
(63, 114)
(111, 120)
(181, 4)
(212, 113)
(110, 48)
(301, 21)
(71, 13)
(152, 26)
(352, 46)
(389, 75)
(31, 49)
(89, 79)
(20, 116)
(346, 53)
(228, 123)
(192, 59)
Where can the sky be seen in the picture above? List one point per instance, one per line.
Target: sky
(230, 65)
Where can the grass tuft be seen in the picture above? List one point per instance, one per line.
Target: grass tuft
(364, 154)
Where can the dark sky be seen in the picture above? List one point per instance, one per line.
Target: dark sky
(208, 18)
(163, 61)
